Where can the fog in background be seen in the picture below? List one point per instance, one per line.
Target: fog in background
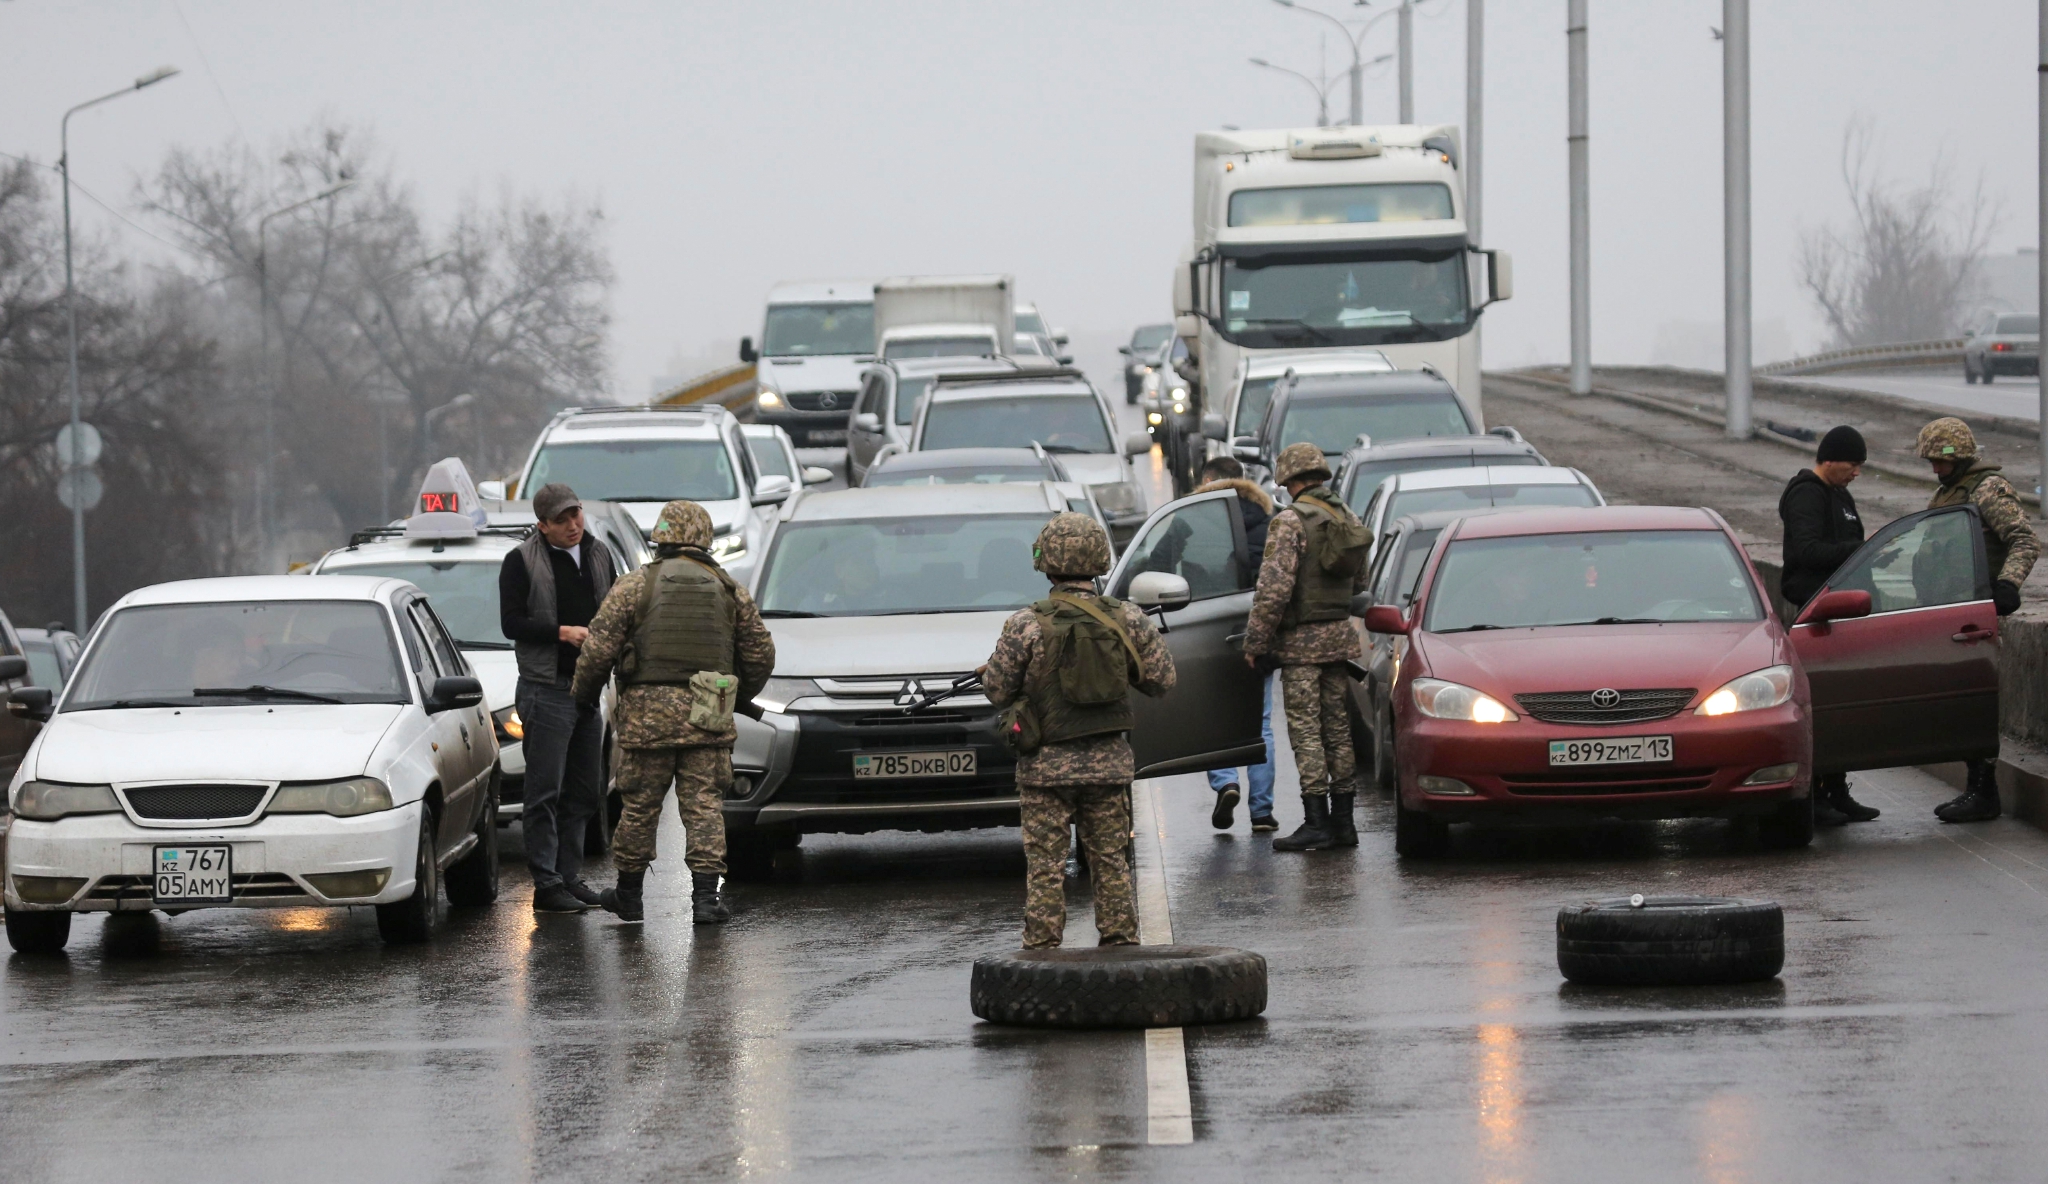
(734, 145)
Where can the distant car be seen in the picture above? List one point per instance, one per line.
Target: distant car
(1244, 407)
(1332, 411)
(775, 455)
(1144, 343)
(886, 407)
(1366, 465)
(16, 730)
(256, 742)
(1482, 487)
(987, 466)
(939, 341)
(1035, 345)
(1028, 320)
(2003, 343)
(51, 652)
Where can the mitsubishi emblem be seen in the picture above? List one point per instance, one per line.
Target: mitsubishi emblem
(1606, 697)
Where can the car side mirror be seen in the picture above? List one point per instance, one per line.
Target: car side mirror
(1059, 337)
(451, 693)
(12, 667)
(1159, 590)
(1065, 359)
(816, 474)
(1842, 605)
(1385, 618)
(491, 491)
(1500, 268)
(1137, 444)
(1213, 428)
(867, 421)
(1246, 450)
(1125, 350)
(747, 353)
(773, 490)
(1362, 603)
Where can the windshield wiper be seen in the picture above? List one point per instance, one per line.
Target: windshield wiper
(1472, 628)
(260, 691)
(1064, 448)
(483, 645)
(1297, 322)
(117, 704)
(1617, 621)
(788, 612)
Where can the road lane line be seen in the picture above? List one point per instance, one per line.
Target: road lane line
(1169, 1111)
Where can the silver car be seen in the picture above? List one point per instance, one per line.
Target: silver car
(2002, 343)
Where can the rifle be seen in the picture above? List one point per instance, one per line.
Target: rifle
(961, 685)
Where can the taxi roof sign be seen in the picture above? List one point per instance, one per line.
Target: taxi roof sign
(448, 506)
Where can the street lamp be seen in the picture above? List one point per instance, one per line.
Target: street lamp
(267, 505)
(71, 317)
(1358, 62)
(1322, 89)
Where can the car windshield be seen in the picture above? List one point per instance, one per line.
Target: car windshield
(1590, 578)
(638, 470)
(464, 594)
(1070, 422)
(1027, 345)
(1252, 402)
(42, 663)
(1334, 423)
(2019, 323)
(1356, 298)
(803, 330)
(1414, 553)
(769, 457)
(1323, 205)
(1364, 476)
(954, 563)
(311, 650)
(910, 396)
(1480, 497)
(975, 475)
(1031, 322)
(940, 347)
(1149, 337)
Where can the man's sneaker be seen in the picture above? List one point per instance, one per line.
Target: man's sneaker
(556, 898)
(1264, 822)
(1226, 807)
(583, 892)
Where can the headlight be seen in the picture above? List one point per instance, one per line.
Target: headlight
(508, 723)
(781, 692)
(1762, 688)
(343, 799)
(1119, 497)
(1179, 408)
(1153, 418)
(728, 547)
(768, 398)
(47, 801)
(1448, 700)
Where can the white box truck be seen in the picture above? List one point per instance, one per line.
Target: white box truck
(936, 316)
(1333, 238)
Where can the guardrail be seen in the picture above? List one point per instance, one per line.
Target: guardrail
(1864, 357)
(730, 388)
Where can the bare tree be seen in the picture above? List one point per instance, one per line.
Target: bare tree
(1907, 266)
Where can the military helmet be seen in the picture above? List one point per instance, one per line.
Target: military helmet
(1947, 438)
(683, 523)
(1071, 545)
(1301, 460)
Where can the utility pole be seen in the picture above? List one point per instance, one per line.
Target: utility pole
(1475, 110)
(2041, 199)
(1581, 252)
(1407, 27)
(1735, 325)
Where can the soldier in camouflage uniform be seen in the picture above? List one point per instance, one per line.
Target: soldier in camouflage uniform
(1301, 619)
(1067, 662)
(1950, 449)
(690, 648)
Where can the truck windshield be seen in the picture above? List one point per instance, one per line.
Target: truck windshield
(1334, 422)
(1296, 300)
(464, 594)
(1321, 205)
(637, 470)
(806, 329)
(1070, 423)
(949, 564)
(940, 347)
(1592, 578)
(315, 651)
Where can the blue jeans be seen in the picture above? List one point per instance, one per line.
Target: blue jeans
(1260, 776)
(564, 779)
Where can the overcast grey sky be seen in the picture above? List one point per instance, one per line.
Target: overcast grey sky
(737, 144)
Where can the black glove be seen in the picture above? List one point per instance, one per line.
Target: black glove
(2006, 596)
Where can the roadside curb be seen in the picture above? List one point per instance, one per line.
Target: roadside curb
(2022, 781)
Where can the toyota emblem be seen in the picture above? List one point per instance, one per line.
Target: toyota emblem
(828, 400)
(1606, 697)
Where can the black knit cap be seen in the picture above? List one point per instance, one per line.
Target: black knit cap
(1841, 443)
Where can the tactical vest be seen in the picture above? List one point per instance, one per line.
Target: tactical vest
(1093, 662)
(1963, 492)
(688, 615)
(1335, 549)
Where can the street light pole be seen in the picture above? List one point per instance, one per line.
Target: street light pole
(1358, 62)
(1735, 334)
(267, 501)
(1581, 231)
(77, 465)
(1322, 92)
(2041, 200)
(1407, 40)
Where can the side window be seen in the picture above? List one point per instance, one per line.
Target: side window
(1197, 543)
(1937, 559)
(415, 647)
(442, 664)
(1381, 585)
(870, 396)
(746, 460)
(446, 652)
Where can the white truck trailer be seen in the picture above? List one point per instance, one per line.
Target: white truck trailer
(1329, 238)
(922, 314)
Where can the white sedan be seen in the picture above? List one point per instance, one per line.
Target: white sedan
(256, 742)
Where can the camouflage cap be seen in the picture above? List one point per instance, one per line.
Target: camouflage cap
(1071, 545)
(683, 523)
(1947, 438)
(1301, 460)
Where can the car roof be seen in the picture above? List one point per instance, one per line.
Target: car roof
(918, 501)
(484, 548)
(925, 367)
(1045, 386)
(760, 431)
(1393, 382)
(1438, 519)
(939, 329)
(1442, 446)
(1572, 519)
(642, 423)
(1477, 475)
(1321, 361)
(823, 292)
(960, 458)
(220, 588)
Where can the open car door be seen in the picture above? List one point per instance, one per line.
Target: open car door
(1210, 720)
(1916, 681)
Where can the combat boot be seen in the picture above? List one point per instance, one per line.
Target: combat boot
(1343, 826)
(1838, 796)
(625, 901)
(1314, 832)
(1979, 802)
(706, 906)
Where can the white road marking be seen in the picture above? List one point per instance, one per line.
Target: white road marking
(1169, 1112)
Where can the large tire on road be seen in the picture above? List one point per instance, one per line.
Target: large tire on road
(411, 921)
(1119, 987)
(473, 879)
(1671, 941)
(38, 933)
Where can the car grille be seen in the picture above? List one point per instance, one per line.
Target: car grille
(188, 802)
(249, 886)
(821, 400)
(1596, 783)
(1631, 707)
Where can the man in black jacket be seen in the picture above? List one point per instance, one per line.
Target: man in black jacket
(1821, 530)
(1256, 508)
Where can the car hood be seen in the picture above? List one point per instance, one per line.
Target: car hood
(498, 671)
(1702, 655)
(831, 372)
(1094, 468)
(265, 742)
(726, 517)
(852, 647)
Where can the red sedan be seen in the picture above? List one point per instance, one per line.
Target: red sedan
(1624, 662)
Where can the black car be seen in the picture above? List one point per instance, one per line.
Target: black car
(1138, 356)
(1341, 412)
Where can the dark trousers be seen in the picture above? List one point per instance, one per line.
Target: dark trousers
(564, 748)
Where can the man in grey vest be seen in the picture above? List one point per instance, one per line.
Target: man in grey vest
(548, 591)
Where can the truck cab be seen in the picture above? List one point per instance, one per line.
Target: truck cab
(815, 340)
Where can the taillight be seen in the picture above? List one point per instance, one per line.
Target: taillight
(2000, 347)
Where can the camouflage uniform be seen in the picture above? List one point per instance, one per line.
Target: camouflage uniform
(1085, 783)
(659, 743)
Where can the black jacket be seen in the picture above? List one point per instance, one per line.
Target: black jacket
(1821, 530)
(1256, 509)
